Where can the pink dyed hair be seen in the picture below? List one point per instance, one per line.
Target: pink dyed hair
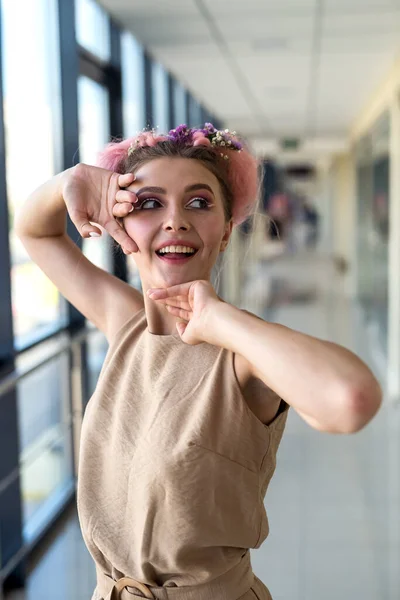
(241, 166)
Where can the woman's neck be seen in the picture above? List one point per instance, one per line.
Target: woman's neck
(159, 321)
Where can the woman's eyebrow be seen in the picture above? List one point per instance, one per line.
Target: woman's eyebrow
(152, 189)
(198, 186)
(189, 188)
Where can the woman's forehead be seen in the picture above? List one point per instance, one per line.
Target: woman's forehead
(180, 172)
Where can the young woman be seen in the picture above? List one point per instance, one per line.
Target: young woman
(179, 440)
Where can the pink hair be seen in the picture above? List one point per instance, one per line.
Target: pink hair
(243, 178)
(241, 167)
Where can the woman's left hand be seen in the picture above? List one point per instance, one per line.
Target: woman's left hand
(191, 302)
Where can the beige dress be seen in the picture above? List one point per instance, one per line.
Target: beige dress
(173, 470)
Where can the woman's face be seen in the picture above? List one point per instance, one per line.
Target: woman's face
(178, 199)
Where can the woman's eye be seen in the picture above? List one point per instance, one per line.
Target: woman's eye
(205, 202)
(147, 201)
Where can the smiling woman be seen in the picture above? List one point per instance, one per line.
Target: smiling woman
(190, 188)
(180, 437)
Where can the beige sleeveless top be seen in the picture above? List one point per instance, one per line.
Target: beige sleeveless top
(174, 465)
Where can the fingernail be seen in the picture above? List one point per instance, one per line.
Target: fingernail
(131, 209)
(94, 234)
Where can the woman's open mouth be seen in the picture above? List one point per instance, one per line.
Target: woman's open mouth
(177, 257)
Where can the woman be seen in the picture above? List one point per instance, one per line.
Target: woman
(179, 440)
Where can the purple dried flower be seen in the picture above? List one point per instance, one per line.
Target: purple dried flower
(181, 134)
(185, 135)
(210, 127)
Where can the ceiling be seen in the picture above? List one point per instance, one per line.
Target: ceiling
(273, 68)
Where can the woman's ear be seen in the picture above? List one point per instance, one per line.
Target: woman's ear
(227, 235)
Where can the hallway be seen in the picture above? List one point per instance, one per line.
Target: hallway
(332, 504)
(333, 501)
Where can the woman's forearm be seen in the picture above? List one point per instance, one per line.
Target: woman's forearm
(43, 214)
(321, 380)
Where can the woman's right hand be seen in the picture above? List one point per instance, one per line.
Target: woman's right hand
(90, 195)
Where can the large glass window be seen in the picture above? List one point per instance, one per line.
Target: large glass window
(93, 28)
(94, 134)
(45, 441)
(133, 94)
(195, 113)
(179, 105)
(373, 173)
(32, 115)
(159, 85)
(133, 91)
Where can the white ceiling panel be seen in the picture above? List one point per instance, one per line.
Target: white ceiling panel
(361, 46)
(248, 27)
(275, 70)
(148, 29)
(366, 23)
(171, 55)
(271, 48)
(359, 5)
(258, 6)
(150, 7)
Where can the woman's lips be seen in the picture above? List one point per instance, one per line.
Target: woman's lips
(176, 258)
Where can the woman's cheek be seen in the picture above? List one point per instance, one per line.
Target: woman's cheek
(212, 233)
(137, 231)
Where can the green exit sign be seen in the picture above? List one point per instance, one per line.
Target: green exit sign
(290, 143)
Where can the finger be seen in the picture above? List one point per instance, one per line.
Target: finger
(181, 327)
(121, 236)
(183, 304)
(126, 196)
(170, 292)
(162, 297)
(179, 312)
(126, 179)
(85, 228)
(122, 210)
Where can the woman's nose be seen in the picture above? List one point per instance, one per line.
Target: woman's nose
(176, 221)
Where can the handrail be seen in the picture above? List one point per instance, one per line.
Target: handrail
(10, 381)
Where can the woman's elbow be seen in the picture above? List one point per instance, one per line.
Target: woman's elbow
(362, 404)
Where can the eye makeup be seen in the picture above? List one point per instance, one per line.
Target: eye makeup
(207, 204)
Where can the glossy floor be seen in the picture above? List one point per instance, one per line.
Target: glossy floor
(333, 502)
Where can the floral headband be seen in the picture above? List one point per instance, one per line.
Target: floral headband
(206, 136)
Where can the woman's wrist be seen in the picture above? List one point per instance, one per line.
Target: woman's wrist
(220, 318)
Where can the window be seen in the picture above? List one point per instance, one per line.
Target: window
(159, 88)
(133, 93)
(195, 113)
(45, 441)
(94, 133)
(179, 105)
(92, 28)
(32, 116)
(373, 179)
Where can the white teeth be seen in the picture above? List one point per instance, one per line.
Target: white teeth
(175, 249)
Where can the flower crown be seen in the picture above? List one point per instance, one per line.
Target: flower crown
(205, 136)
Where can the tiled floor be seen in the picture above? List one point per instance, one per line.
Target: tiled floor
(333, 502)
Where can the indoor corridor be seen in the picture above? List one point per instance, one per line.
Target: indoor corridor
(332, 503)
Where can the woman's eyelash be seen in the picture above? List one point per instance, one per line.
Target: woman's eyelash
(208, 204)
